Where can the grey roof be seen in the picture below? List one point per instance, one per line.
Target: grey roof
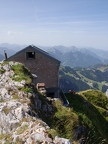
(35, 48)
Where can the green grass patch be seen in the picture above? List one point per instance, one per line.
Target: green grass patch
(62, 121)
(27, 89)
(19, 141)
(65, 121)
(97, 98)
(2, 71)
(7, 137)
(21, 73)
(2, 100)
(15, 97)
(53, 133)
(22, 129)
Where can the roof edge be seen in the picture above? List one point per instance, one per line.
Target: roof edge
(36, 48)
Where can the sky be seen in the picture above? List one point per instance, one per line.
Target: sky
(81, 23)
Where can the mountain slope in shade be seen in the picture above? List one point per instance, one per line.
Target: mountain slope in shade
(79, 59)
(79, 79)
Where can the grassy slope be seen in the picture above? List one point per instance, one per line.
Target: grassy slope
(84, 78)
(90, 112)
(83, 112)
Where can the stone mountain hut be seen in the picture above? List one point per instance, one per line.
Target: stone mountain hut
(42, 65)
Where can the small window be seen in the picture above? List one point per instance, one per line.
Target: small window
(30, 55)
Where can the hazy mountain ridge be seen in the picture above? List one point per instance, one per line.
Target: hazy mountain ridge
(7, 50)
(10, 49)
(55, 53)
(79, 57)
(14, 47)
(101, 53)
(69, 56)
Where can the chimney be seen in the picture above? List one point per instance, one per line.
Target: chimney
(5, 55)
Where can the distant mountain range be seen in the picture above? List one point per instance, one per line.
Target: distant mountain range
(76, 57)
(69, 56)
(15, 47)
(7, 50)
(10, 49)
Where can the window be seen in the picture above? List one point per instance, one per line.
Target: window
(30, 55)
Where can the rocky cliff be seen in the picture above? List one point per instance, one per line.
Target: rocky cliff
(20, 106)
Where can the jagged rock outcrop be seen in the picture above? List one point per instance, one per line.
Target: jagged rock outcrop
(19, 123)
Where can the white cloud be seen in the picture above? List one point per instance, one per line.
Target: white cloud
(13, 33)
